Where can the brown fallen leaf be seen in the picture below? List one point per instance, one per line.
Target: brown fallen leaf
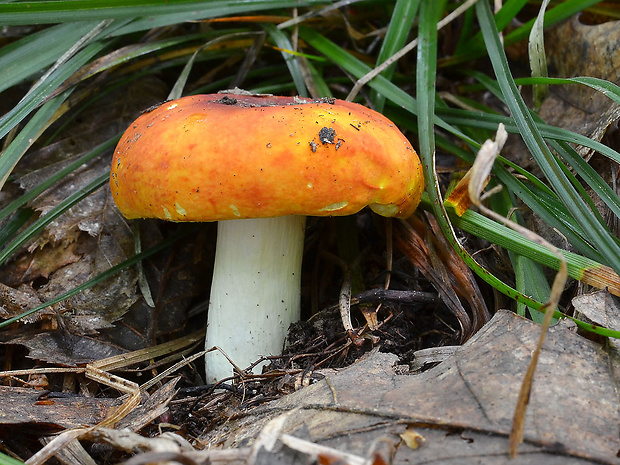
(591, 51)
(601, 308)
(463, 407)
(28, 406)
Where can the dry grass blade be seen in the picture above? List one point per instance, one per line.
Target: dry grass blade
(39, 371)
(311, 14)
(68, 54)
(141, 355)
(66, 438)
(480, 172)
(423, 244)
(73, 452)
(59, 442)
(98, 371)
(174, 368)
(416, 243)
(317, 450)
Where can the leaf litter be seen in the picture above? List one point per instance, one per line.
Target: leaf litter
(460, 408)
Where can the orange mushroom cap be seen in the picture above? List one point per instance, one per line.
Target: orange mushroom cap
(228, 156)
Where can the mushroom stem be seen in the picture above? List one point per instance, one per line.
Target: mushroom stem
(255, 294)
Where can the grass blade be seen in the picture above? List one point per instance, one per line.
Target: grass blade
(384, 86)
(594, 230)
(401, 23)
(31, 132)
(54, 213)
(282, 41)
(425, 89)
(160, 12)
(33, 53)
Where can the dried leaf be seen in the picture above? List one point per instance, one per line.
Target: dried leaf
(86, 240)
(423, 244)
(463, 407)
(22, 406)
(578, 49)
(601, 308)
(15, 301)
(65, 349)
(412, 438)
(459, 198)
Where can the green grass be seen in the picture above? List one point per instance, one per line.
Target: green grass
(78, 50)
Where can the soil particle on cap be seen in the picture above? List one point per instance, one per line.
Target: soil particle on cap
(153, 107)
(226, 100)
(327, 135)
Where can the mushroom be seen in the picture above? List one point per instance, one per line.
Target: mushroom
(258, 164)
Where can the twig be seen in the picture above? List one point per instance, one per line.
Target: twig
(391, 295)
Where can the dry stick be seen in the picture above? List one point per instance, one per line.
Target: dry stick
(344, 302)
(389, 250)
(361, 82)
(480, 171)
